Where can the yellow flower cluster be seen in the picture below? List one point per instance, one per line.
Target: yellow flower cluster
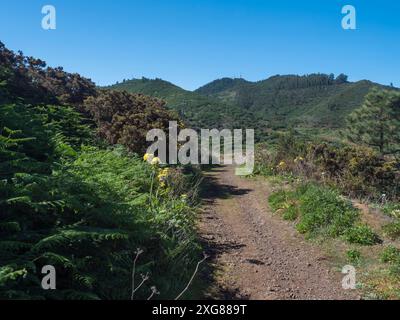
(396, 213)
(155, 161)
(281, 165)
(163, 176)
(298, 159)
(147, 157)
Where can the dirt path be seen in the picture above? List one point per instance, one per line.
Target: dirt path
(256, 255)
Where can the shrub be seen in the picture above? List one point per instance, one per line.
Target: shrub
(390, 254)
(124, 118)
(354, 256)
(361, 234)
(323, 210)
(395, 270)
(27, 78)
(278, 199)
(320, 210)
(392, 209)
(291, 213)
(285, 201)
(392, 230)
(356, 170)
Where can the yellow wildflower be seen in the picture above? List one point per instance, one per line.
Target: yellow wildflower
(298, 159)
(156, 161)
(282, 165)
(396, 213)
(162, 176)
(148, 157)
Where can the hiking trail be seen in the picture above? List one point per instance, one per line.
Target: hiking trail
(256, 255)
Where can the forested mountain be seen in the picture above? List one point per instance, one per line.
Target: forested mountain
(315, 100)
(221, 85)
(312, 101)
(198, 110)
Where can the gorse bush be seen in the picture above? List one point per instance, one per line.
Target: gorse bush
(355, 170)
(124, 118)
(30, 79)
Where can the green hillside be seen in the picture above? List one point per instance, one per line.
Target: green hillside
(312, 101)
(221, 85)
(315, 103)
(198, 110)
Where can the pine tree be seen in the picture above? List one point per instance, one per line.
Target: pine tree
(377, 123)
(341, 78)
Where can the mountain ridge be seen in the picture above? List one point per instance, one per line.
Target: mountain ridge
(319, 101)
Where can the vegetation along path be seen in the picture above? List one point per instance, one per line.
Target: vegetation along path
(256, 255)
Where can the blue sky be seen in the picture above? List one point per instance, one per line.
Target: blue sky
(192, 42)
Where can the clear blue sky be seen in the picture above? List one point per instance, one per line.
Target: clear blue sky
(191, 42)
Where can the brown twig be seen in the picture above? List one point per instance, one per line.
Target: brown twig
(144, 279)
(153, 292)
(138, 253)
(191, 279)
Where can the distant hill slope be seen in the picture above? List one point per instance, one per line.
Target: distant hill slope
(200, 111)
(315, 100)
(221, 85)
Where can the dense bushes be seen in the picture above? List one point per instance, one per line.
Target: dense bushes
(126, 118)
(92, 211)
(360, 171)
(84, 210)
(356, 170)
(29, 79)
